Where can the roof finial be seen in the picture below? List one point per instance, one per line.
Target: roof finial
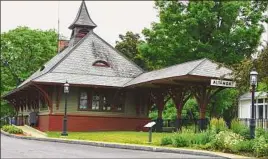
(83, 18)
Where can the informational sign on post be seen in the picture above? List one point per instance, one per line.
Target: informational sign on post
(222, 83)
(150, 126)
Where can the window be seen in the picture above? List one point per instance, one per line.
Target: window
(266, 111)
(83, 102)
(96, 102)
(106, 105)
(101, 100)
(260, 100)
(260, 109)
(82, 32)
(101, 63)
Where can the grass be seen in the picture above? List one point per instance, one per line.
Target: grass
(128, 137)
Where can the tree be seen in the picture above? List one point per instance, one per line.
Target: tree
(128, 45)
(242, 70)
(23, 51)
(225, 32)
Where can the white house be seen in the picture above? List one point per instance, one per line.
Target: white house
(261, 108)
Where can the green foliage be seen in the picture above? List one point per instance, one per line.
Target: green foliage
(166, 140)
(262, 66)
(128, 45)
(170, 111)
(222, 31)
(187, 137)
(12, 129)
(218, 124)
(260, 146)
(241, 72)
(243, 146)
(181, 140)
(240, 128)
(226, 140)
(23, 51)
(224, 104)
(153, 114)
(261, 132)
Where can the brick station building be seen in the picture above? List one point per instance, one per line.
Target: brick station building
(107, 90)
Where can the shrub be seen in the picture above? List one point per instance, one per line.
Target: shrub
(260, 146)
(226, 140)
(261, 132)
(180, 141)
(166, 140)
(243, 146)
(12, 129)
(201, 138)
(240, 128)
(218, 124)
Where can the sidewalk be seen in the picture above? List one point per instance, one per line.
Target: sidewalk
(32, 132)
(41, 136)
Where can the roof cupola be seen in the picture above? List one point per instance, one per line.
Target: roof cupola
(81, 25)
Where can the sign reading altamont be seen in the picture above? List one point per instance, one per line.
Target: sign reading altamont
(223, 83)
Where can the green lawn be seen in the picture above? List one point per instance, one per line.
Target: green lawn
(129, 137)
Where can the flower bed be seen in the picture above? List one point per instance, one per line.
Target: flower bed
(220, 138)
(12, 129)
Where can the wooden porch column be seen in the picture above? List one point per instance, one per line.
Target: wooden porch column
(22, 121)
(203, 95)
(180, 96)
(158, 97)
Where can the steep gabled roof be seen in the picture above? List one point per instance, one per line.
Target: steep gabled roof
(82, 18)
(75, 64)
(202, 67)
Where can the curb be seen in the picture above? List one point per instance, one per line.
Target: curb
(123, 146)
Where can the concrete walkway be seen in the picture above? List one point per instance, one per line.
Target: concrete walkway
(32, 132)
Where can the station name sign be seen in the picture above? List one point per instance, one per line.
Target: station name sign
(222, 83)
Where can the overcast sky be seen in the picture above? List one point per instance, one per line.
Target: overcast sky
(112, 17)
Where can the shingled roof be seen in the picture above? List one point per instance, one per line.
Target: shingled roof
(75, 64)
(203, 67)
(82, 18)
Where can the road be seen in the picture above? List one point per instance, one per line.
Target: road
(21, 148)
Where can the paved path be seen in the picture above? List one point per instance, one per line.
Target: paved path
(20, 148)
(32, 132)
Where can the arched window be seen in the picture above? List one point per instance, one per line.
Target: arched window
(101, 63)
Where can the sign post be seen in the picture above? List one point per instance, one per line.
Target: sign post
(150, 126)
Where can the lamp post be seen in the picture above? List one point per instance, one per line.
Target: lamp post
(253, 83)
(66, 91)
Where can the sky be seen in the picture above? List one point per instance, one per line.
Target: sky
(112, 17)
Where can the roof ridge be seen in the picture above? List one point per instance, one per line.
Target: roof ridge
(143, 71)
(64, 57)
(202, 60)
(92, 74)
(174, 65)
